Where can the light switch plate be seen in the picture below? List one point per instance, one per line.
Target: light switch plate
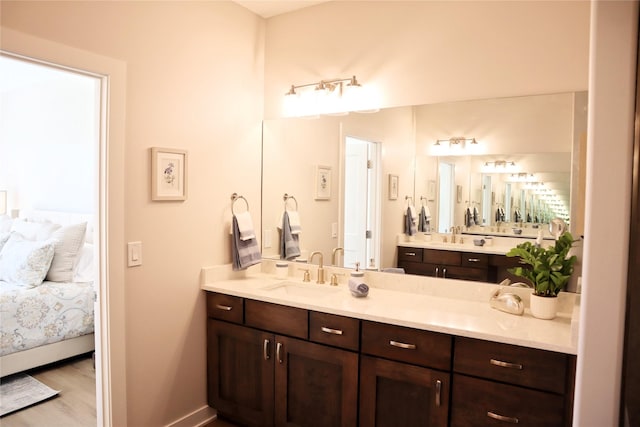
(334, 230)
(266, 239)
(134, 254)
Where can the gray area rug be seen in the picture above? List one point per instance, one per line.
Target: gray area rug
(20, 391)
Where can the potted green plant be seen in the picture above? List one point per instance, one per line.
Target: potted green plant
(548, 271)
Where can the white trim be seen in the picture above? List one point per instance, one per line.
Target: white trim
(197, 418)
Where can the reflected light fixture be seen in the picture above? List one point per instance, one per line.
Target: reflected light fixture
(499, 166)
(332, 97)
(455, 146)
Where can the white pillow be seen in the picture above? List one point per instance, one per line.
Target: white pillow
(25, 262)
(5, 223)
(4, 236)
(34, 230)
(83, 268)
(68, 241)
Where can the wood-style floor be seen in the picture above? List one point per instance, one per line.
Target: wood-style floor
(75, 405)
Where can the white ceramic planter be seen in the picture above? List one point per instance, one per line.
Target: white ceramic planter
(543, 307)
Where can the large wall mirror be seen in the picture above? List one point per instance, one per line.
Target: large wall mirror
(515, 161)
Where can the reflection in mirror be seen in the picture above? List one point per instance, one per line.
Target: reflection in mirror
(539, 138)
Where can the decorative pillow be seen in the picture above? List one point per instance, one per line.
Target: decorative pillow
(34, 230)
(25, 262)
(5, 223)
(68, 241)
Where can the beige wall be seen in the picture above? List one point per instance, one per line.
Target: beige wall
(420, 52)
(194, 81)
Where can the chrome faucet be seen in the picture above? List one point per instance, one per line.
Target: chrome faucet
(320, 267)
(333, 255)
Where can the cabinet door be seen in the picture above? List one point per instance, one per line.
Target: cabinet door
(240, 373)
(397, 394)
(316, 385)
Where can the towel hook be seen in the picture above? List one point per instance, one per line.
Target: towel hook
(409, 200)
(286, 197)
(423, 200)
(234, 199)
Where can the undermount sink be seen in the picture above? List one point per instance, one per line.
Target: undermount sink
(309, 290)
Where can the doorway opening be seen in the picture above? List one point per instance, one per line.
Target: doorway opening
(361, 238)
(445, 196)
(53, 127)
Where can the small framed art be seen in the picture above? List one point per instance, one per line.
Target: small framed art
(168, 174)
(323, 183)
(393, 187)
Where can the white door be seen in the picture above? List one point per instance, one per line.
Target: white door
(361, 204)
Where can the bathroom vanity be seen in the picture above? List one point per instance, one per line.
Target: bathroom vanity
(414, 352)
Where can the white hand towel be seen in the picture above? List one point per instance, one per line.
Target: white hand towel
(294, 222)
(414, 213)
(245, 225)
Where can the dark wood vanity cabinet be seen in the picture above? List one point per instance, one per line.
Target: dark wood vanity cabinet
(452, 264)
(272, 364)
(501, 384)
(258, 376)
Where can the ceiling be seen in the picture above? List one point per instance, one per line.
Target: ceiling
(269, 8)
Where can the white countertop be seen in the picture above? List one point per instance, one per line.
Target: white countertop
(441, 305)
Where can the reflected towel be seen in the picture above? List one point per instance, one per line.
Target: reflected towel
(294, 222)
(244, 253)
(468, 218)
(424, 219)
(289, 242)
(410, 222)
(245, 225)
(475, 216)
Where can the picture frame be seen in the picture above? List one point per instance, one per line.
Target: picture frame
(393, 187)
(168, 174)
(323, 183)
(459, 193)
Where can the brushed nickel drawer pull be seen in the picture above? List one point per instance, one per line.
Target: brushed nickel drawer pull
(224, 307)
(265, 350)
(402, 345)
(409, 254)
(438, 390)
(331, 331)
(437, 270)
(279, 352)
(512, 420)
(444, 273)
(474, 260)
(505, 364)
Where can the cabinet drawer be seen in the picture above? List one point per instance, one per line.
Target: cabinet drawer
(541, 369)
(414, 346)
(472, 259)
(224, 307)
(435, 256)
(477, 402)
(334, 330)
(409, 254)
(464, 273)
(418, 268)
(280, 319)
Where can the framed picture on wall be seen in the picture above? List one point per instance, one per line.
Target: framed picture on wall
(323, 183)
(393, 187)
(168, 174)
(459, 193)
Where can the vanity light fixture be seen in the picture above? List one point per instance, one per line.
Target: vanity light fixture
(457, 145)
(499, 166)
(332, 97)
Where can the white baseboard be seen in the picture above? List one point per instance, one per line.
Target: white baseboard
(197, 418)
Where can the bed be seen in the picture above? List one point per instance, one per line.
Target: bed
(47, 293)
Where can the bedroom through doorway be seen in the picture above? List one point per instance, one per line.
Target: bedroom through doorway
(50, 139)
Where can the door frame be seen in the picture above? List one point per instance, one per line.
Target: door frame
(111, 398)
